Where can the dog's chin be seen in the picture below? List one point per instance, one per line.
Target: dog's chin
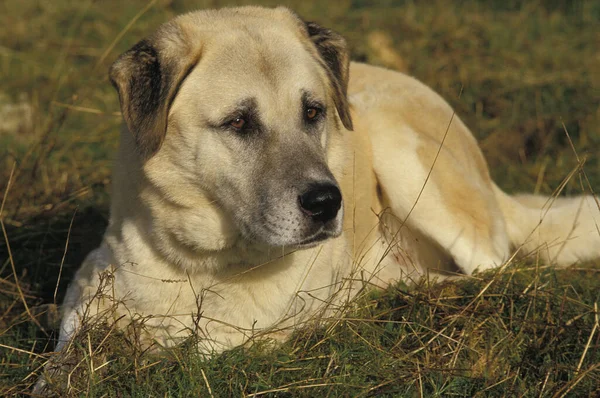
(302, 243)
(316, 239)
(268, 239)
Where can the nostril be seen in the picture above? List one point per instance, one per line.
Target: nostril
(321, 202)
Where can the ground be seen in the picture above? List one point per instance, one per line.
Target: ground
(523, 75)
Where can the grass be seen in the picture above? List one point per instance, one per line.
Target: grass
(527, 74)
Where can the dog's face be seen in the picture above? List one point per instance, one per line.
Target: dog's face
(240, 107)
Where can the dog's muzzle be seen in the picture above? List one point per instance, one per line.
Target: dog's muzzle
(321, 202)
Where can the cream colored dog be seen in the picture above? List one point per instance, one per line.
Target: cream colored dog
(262, 178)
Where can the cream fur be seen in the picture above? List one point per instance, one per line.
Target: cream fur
(180, 263)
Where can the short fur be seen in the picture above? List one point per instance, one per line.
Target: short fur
(205, 231)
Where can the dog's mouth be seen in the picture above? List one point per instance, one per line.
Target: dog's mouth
(315, 239)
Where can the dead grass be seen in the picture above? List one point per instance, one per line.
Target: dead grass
(527, 75)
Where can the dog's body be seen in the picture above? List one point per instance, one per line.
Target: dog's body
(224, 216)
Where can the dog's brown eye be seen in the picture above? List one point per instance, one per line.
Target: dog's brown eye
(238, 123)
(311, 113)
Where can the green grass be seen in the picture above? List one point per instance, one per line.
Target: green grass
(520, 75)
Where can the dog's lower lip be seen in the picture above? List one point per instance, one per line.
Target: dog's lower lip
(322, 235)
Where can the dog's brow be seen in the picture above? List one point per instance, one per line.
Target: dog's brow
(244, 107)
(309, 98)
(249, 103)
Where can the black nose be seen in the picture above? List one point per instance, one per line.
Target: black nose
(321, 202)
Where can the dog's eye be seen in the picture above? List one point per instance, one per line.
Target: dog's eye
(238, 123)
(312, 113)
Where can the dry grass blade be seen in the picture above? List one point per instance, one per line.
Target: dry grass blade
(570, 386)
(288, 389)
(122, 33)
(22, 351)
(437, 155)
(7, 189)
(207, 383)
(84, 109)
(10, 256)
(62, 261)
(589, 341)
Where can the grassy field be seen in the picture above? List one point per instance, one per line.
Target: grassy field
(523, 75)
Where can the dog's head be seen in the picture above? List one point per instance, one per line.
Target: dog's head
(241, 106)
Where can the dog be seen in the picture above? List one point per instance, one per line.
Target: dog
(262, 179)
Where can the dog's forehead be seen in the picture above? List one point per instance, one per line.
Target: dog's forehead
(267, 63)
(266, 54)
(274, 39)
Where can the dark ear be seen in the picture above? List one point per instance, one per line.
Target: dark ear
(147, 82)
(334, 53)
